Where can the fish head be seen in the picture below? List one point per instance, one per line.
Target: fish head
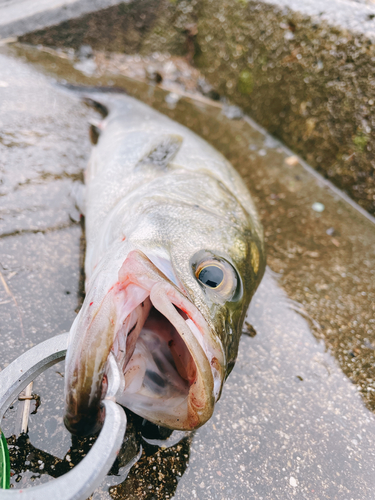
(215, 256)
(169, 302)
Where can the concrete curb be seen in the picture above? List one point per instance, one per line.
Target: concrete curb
(18, 17)
(307, 81)
(348, 15)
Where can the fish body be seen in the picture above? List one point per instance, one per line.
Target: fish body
(174, 254)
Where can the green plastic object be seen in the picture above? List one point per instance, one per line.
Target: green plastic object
(4, 463)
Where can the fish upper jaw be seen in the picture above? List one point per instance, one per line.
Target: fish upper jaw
(173, 365)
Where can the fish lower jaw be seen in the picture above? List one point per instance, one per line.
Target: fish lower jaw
(172, 363)
(172, 378)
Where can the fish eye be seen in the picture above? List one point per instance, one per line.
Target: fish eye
(211, 276)
(218, 275)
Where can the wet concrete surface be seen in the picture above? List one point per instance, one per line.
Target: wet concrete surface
(43, 149)
(290, 423)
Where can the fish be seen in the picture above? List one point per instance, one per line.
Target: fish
(174, 254)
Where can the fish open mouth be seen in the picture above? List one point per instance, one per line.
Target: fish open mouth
(172, 363)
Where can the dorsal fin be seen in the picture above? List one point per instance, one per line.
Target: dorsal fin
(162, 151)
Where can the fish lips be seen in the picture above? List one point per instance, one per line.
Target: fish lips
(188, 370)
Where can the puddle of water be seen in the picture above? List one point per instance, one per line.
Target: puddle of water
(289, 424)
(300, 428)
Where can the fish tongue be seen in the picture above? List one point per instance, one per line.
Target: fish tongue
(201, 393)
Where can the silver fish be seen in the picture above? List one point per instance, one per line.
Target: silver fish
(174, 254)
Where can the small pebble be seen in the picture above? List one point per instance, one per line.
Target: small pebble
(318, 207)
(292, 161)
(232, 112)
(86, 66)
(293, 481)
(172, 99)
(85, 52)
(330, 231)
(270, 142)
